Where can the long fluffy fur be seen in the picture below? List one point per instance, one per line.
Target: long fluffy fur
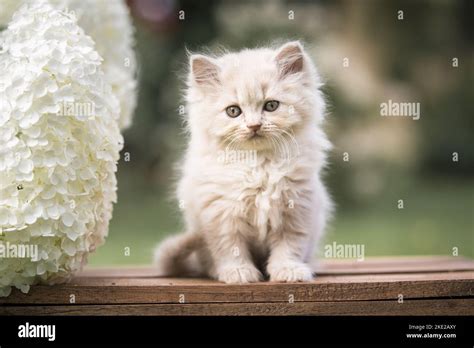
(174, 256)
(246, 221)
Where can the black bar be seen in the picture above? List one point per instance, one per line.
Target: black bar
(289, 331)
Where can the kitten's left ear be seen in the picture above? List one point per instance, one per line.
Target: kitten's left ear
(290, 58)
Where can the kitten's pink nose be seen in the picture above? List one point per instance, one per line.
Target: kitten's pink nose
(254, 127)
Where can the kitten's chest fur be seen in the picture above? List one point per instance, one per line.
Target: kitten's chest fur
(265, 192)
(258, 198)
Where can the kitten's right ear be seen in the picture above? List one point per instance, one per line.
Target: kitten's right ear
(204, 70)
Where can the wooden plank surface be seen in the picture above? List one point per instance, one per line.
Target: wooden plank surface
(323, 288)
(344, 287)
(374, 265)
(410, 307)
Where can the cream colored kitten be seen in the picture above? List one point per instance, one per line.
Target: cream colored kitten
(251, 192)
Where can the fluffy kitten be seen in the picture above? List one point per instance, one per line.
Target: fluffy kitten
(263, 216)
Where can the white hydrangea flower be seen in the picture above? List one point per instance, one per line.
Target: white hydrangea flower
(109, 24)
(59, 146)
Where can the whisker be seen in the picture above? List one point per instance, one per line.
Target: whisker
(292, 138)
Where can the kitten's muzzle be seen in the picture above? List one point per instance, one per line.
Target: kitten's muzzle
(254, 127)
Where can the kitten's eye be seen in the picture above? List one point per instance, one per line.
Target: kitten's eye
(233, 111)
(271, 105)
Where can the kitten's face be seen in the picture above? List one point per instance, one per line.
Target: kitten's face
(254, 99)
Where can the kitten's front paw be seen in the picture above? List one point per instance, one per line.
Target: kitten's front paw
(290, 272)
(239, 274)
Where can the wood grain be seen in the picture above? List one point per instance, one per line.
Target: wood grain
(373, 265)
(324, 288)
(364, 308)
(429, 285)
